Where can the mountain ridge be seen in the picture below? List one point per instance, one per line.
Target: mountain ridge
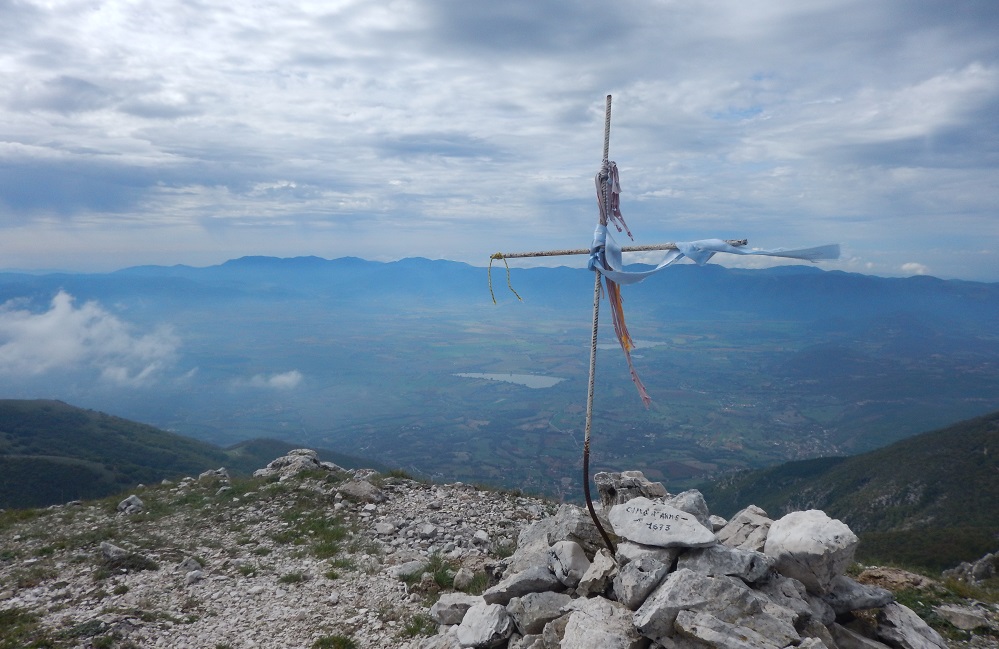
(52, 453)
(909, 495)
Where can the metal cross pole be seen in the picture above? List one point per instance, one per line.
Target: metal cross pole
(605, 198)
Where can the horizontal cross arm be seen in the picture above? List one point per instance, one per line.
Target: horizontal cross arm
(586, 251)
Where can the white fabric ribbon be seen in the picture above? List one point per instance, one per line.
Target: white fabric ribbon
(606, 256)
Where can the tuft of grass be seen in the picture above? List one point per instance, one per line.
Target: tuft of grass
(419, 624)
(248, 570)
(479, 583)
(334, 642)
(292, 578)
(504, 550)
(132, 562)
(440, 568)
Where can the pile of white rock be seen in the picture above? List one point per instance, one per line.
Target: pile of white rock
(679, 578)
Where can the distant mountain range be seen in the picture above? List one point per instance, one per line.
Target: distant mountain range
(931, 499)
(393, 361)
(52, 452)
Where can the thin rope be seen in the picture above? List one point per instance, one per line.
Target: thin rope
(576, 251)
(586, 251)
(509, 285)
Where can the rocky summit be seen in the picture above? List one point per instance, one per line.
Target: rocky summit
(307, 554)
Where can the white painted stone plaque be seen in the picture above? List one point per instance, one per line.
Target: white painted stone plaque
(652, 523)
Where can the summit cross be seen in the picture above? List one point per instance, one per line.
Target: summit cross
(607, 264)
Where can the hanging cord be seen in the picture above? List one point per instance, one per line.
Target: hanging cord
(499, 255)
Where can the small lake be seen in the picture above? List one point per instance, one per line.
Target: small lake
(530, 380)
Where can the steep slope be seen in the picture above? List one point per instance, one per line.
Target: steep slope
(929, 498)
(52, 452)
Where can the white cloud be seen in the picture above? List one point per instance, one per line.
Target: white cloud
(67, 339)
(915, 268)
(283, 381)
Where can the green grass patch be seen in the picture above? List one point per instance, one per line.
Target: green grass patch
(323, 535)
(20, 629)
(419, 624)
(334, 642)
(292, 578)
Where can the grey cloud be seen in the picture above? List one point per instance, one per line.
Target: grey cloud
(65, 94)
(68, 187)
(446, 145)
(516, 28)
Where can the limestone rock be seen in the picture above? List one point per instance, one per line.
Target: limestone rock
(568, 562)
(534, 610)
(598, 623)
(361, 491)
(692, 501)
(820, 632)
(538, 579)
(446, 640)
(451, 607)
(847, 595)
(551, 637)
(598, 576)
(899, 627)
(637, 579)
(573, 523)
(532, 545)
(463, 578)
(847, 639)
(619, 488)
(717, 633)
(790, 595)
(717, 522)
(214, 474)
(485, 625)
(111, 552)
(811, 547)
(746, 530)
(725, 598)
(295, 462)
(718, 560)
(651, 523)
(131, 505)
(965, 618)
(628, 551)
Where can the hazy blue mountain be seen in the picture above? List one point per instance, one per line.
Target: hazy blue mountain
(746, 368)
(931, 499)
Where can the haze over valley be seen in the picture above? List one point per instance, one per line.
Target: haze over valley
(411, 364)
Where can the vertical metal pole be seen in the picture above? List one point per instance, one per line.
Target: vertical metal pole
(604, 196)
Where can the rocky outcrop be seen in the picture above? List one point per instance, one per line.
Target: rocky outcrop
(311, 555)
(674, 584)
(985, 568)
(296, 462)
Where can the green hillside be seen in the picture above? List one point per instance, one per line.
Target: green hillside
(931, 499)
(52, 452)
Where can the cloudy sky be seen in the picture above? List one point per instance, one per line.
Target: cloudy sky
(195, 131)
